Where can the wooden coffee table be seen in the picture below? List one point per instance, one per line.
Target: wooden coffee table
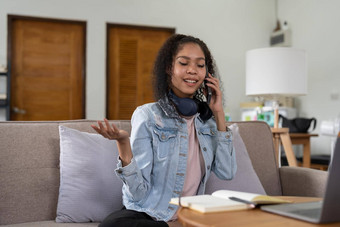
(254, 217)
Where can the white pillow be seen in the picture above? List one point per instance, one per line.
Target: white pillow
(245, 179)
(89, 189)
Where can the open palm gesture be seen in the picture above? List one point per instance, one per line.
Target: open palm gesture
(110, 132)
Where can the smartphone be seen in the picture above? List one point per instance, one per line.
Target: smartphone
(207, 88)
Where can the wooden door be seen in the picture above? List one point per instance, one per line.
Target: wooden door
(131, 53)
(47, 64)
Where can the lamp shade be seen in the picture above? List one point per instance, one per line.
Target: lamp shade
(276, 71)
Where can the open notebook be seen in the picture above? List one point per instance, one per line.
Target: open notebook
(327, 210)
(225, 200)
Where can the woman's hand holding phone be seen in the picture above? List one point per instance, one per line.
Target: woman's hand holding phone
(213, 85)
(216, 104)
(207, 88)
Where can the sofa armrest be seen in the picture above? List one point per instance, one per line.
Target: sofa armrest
(299, 181)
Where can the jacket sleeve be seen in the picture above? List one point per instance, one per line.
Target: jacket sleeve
(136, 175)
(224, 164)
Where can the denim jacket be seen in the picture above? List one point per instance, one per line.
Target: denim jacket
(159, 142)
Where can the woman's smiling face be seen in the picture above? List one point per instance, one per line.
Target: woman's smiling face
(189, 70)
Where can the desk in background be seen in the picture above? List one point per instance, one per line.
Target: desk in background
(304, 139)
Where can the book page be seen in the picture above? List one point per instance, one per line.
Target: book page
(265, 199)
(251, 197)
(225, 194)
(208, 203)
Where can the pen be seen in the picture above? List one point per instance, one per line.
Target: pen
(253, 205)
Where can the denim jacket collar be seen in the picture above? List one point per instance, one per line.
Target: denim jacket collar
(168, 108)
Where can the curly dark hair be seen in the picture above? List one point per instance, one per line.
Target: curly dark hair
(164, 60)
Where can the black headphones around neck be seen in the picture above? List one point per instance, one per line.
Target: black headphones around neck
(189, 107)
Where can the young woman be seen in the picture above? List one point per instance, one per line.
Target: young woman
(176, 141)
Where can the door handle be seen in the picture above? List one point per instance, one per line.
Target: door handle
(18, 111)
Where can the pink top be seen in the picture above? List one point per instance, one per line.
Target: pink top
(195, 163)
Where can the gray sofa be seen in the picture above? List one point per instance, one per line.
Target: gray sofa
(29, 169)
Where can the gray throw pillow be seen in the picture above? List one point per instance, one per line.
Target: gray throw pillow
(246, 179)
(89, 189)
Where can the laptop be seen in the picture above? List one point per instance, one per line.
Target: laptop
(324, 211)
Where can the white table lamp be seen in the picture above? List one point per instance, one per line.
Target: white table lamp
(274, 72)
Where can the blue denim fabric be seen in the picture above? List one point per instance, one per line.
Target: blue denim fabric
(159, 141)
